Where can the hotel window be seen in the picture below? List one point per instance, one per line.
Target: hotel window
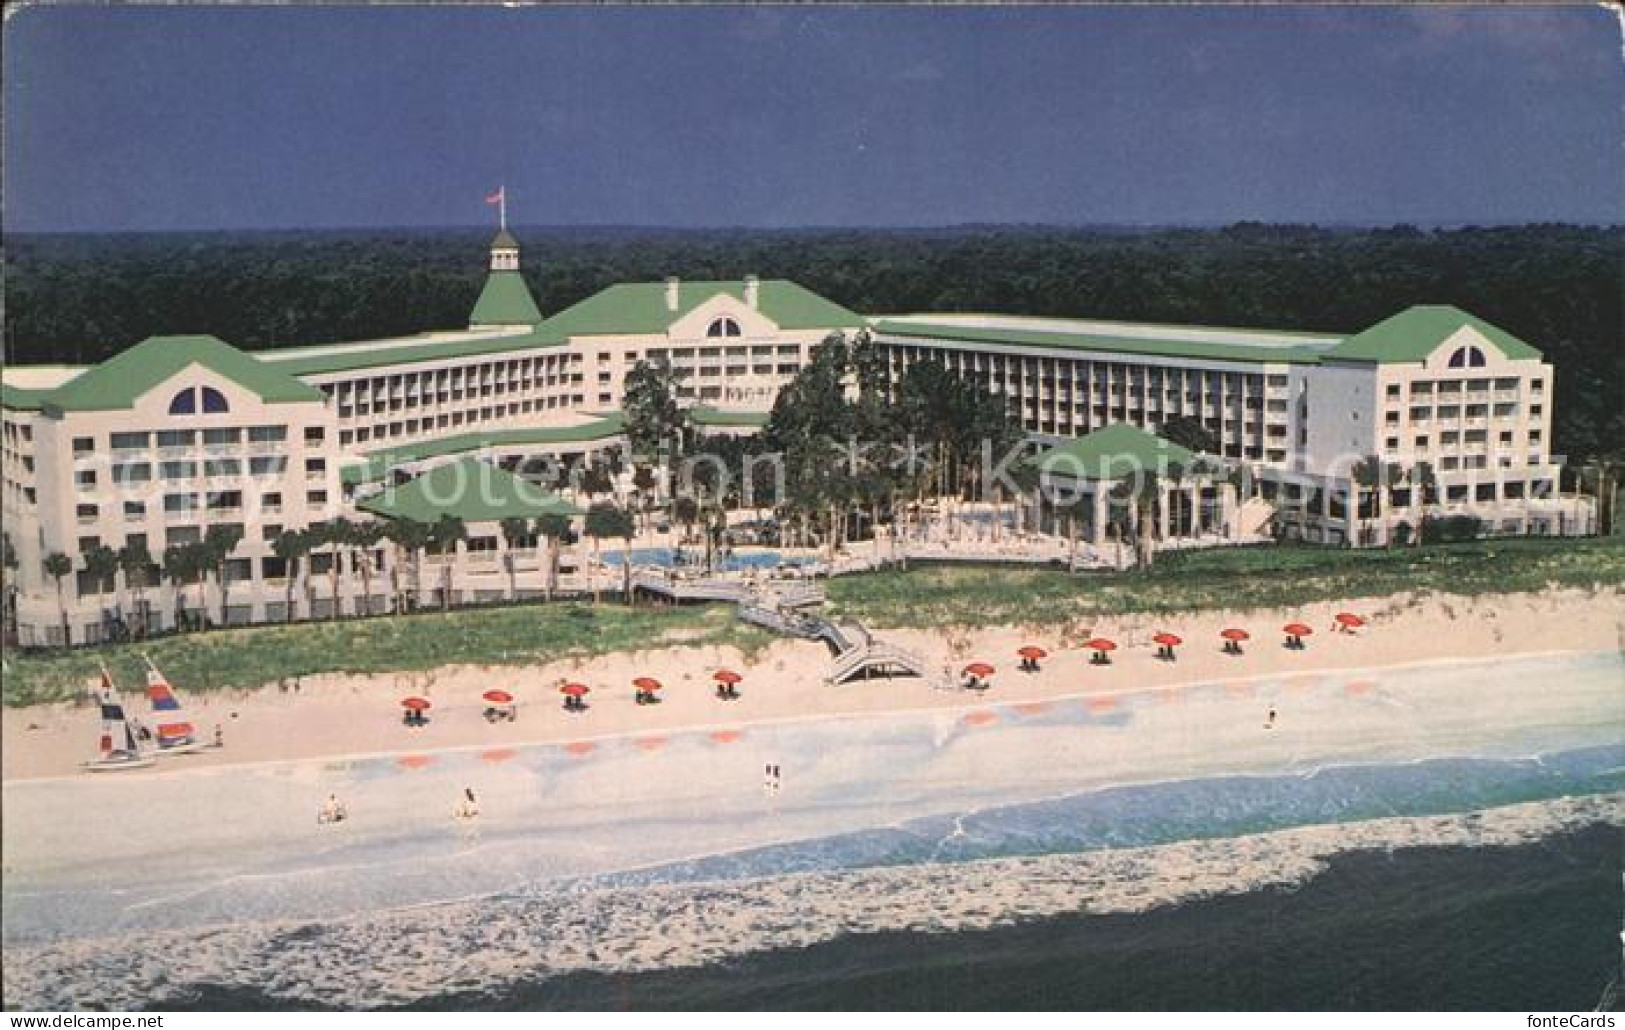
(722, 327)
(1393, 391)
(176, 437)
(267, 466)
(315, 497)
(135, 510)
(222, 437)
(175, 470)
(267, 434)
(85, 477)
(89, 543)
(1467, 357)
(83, 444)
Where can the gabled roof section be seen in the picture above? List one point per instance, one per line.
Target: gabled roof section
(1197, 342)
(720, 417)
(1114, 452)
(506, 300)
(1415, 333)
(466, 489)
(504, 240)
(641, 308)
(19, 398)
(120, 380)
(379, 463)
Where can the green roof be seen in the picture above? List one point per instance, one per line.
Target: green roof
(1416, 332)
(379, 463)
(20, 398)
(504, 239)
(1113, 452)
(358, 357)
(467, 489)
(1169, 346)
(506, 300)
(120, 380)
(640, 308)
(719, 417)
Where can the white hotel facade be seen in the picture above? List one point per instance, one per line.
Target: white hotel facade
(182, 432)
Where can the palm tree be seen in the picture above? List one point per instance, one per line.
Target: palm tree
(1073, 510)
(686, 510)
(604, 521)
(335, 535)
(409, 537)
(291, 546)
(101, 564)
(218, 543)
(446, 534)
(58, 565)
(1426, 484)
(555, 528)
(644, 483)
(363, 538)
(135, 560)
(515, 531)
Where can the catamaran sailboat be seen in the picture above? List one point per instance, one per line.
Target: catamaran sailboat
(119, 747)
(174, 732)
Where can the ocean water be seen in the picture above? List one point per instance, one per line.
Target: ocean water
(976, 858)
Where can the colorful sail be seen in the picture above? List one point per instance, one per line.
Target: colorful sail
(117, 738)
(174, 729)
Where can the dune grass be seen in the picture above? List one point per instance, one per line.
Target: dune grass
(932, 596)
(252, 657)
(1230, 578)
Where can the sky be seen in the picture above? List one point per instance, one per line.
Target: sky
(196, 117)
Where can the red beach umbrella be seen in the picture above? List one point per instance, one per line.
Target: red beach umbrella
(726, 676)
(1349, 620)
(1234, 634)
(1100, 645)
(979, 669)
(575, 689)
(1166, 640)
(1033, 652)
(416, 704)
(1296, 629)
(498, 697)
(647, 684)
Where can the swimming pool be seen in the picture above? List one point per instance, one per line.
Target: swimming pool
(736, 561)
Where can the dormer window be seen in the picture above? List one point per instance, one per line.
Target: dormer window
(1467, 357)
(186, 401)
(723, 327)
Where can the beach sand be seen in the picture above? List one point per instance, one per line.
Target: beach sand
(338, 714)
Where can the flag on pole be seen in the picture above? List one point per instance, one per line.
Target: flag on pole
(500, 199)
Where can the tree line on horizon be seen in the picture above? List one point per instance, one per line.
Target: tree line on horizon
(79, 299)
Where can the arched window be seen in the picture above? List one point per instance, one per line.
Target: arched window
(186, 401)
(1467, 357)
(722, 327)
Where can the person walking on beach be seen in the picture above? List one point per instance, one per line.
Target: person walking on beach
(1269, 720)
(468, 808)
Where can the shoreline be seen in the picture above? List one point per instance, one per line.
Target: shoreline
(347, 716)
(546, 937)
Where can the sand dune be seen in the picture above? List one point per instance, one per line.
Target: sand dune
(334, 715)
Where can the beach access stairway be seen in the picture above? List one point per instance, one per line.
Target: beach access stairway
(684, 588)
(782, 606)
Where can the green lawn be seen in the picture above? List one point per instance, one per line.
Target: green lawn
(251, 657)
(922, 597)
(1271, 576)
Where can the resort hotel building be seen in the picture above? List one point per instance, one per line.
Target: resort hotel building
(180, 433)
